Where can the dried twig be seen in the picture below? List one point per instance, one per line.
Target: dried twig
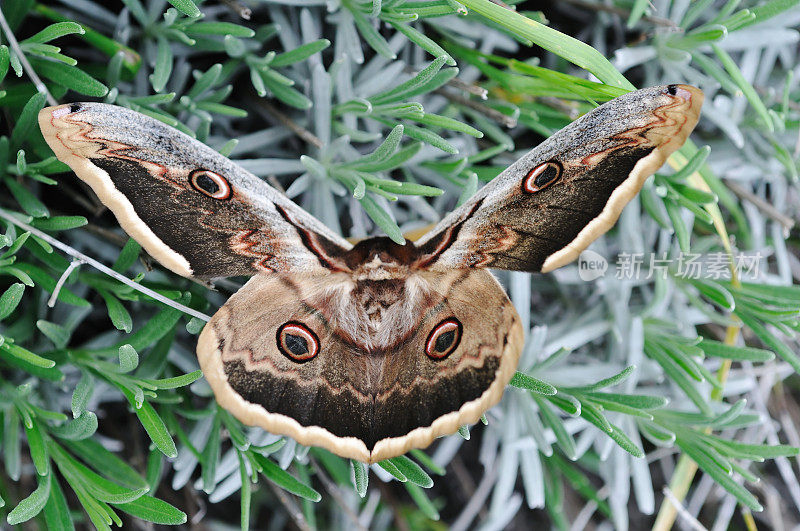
(476, 502)
(296, 128)
(768, 210)
(475, 90)
(291, 507)
(335, 492)
(104, 269)
(688, 519)
(460, 84)
(659, 21)
(388, 497)
(60, 284)
(239, 8)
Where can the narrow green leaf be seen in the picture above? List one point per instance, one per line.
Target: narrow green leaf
(205, 81)
(127, 256)
(128, 358)
(163, 65)
(399, 92)
(624, 442)
(154, 425)
(564, 439)
(386, 149)
(81, 427)
(210, 455)
(429, 463)
(27, 121)
(382, 219)
(245, 494)
(360, 477)
(117, 313)
(710, 467)
(36, 445)
(10, 299)
(780, 348)
(56, 223)
(188, 8)
(176, 381)
(425, 135)
(677, 375)
(5, 57)
(82, 393)
(412, 471)
(434, 120)
(424, 42)
(635, 401)
(422, 501)
(721, 350)
(70, 77)
(56, 511)
(96, 485)
(285, 480)
(156, 328)
(102, 460)
(55, 333)
(747, 89)
(286, 94)
(573, 50)
(32, 505)
(390, 467)
(301, 53)
(153, 510)
(658, 435)
(371, 35)
(772, 8)
(29, 202)
(219, 28)
(524, 381)
(54, 31)
(681, 231)
(637, 11)
(26, 356)
(607, 382)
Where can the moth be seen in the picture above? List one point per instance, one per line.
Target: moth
(367, 350)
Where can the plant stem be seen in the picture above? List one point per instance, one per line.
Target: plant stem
(104, 269)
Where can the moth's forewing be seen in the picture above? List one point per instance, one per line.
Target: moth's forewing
(196, 212)
(543, 210)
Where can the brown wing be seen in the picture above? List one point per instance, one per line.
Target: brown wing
(192, 209)
(300, 365)
(542, 211)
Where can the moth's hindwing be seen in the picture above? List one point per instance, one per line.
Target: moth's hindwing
(308, 365)
(192, 209)
(542, 211)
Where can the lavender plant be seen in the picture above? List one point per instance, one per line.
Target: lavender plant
(380, 117)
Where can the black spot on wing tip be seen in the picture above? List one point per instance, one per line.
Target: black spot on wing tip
(75, 107)
(672, 90)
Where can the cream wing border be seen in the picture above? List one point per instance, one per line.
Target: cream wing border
(254, 415)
